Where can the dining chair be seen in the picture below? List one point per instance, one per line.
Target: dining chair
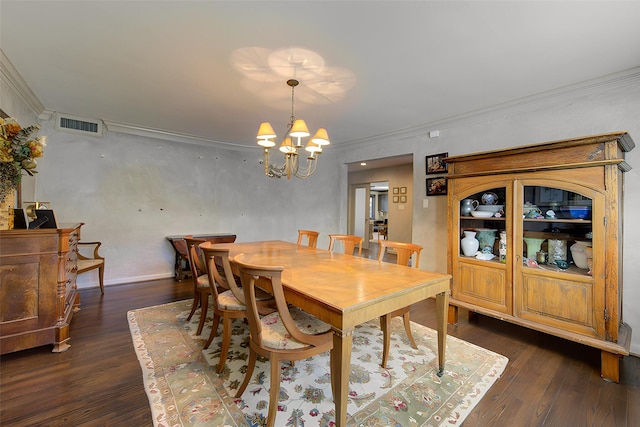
(349, 242)
(404, 253)
(311, 236)
(87, 262)
(228, 298)
(201, 288)
(288, 334)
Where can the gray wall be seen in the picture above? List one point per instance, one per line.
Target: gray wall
(133, 191)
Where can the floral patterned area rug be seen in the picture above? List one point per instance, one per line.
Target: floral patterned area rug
(184, 389)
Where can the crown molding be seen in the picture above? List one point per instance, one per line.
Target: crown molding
(10, 76)
(629, 77)
(173, 136)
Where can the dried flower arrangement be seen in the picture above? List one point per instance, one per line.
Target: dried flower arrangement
(18, 151)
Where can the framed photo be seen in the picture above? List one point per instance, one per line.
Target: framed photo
(396, 190)
(20, 220)
(435, 164)
(396, 199)
(403, 199)
(403, 190)
(437, 186)
(45, 218)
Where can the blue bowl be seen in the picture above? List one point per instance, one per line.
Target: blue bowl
(562, 264)
(577, 212)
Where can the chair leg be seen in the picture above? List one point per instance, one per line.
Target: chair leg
(194, 306)
(101, 277)
(253, 357)
(204, 305)
(226, 341)
(214, 330)
(407, 327)
(385, 325)
(274, 392)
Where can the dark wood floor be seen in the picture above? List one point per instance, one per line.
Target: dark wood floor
(98, 381)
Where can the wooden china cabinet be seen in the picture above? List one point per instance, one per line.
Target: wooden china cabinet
(38, 293)
(552, 199)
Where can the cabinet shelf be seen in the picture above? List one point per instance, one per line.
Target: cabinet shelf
(558, 220)
(573, 270)
(476, 218)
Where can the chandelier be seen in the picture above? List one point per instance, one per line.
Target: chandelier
(292, 146)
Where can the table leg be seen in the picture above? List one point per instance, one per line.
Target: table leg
(442, 308)
(342, 342)
(178, 267)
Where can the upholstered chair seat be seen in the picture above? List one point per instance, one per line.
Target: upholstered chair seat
(275, 334)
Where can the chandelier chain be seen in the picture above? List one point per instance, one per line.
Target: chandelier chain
(293, 83)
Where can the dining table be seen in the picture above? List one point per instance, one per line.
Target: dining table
(346, 291)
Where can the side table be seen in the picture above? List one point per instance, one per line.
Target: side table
(182, 270)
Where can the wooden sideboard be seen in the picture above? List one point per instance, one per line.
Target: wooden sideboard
(38, 293)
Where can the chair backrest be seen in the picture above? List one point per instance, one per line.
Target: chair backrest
(198, 261)
(217, 260)
(349, 242)
(250, 275)
(404, 251)
(312, 237)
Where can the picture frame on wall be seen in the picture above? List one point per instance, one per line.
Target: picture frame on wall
(396, 199)
(435, 164)
(437, 186)
(396, 190)
(403, 199)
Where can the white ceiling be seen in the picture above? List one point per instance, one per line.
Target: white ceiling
(169, 65)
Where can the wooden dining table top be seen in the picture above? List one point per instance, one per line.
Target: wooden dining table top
(339, 284)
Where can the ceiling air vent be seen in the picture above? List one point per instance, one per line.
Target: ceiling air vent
(67, 123)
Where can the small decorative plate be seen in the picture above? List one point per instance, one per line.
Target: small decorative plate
(490, 199)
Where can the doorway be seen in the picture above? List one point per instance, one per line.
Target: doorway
(378, 210)
(372, 213)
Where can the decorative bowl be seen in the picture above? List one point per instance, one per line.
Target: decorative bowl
(489, 199)
(579, 255)
(482, 214)
(490, 208)
(529, 209)
(562, 264)
(577, 212)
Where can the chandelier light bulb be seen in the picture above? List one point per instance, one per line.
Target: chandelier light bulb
(299, 129)
(312, 147)
(287, 146)
(265, 135)
(321, 137)
(266, 131)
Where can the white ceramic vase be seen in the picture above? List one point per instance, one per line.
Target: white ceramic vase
(469, 243)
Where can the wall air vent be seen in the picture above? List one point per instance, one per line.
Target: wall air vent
(75, 124)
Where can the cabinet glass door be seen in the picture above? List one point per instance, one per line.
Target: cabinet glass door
(557, 229)
(554, 283)
(481, 267)
(483, 218)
